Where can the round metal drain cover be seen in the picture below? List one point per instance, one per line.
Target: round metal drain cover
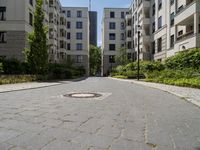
(83, 95)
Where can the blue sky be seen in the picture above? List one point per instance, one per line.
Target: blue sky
(97, 5)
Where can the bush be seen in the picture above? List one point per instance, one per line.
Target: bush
(63, 71)
(59, 71)
(1, 67)
(152, 66)
(11, 79)
(12, 66)
(185, 59)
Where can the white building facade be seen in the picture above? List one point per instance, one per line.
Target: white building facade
(166, 27)
(16, 21)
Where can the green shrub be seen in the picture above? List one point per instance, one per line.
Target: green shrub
(63, 71)
(184, 59)
(152, 66)
(131, 66)
(11, 79)
(120, 77)
(12, 66)
(59, 71)
(1, 67)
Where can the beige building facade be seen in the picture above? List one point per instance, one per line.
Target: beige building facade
(166, 27)
(15, 25)
(113, 34)
(68, 36)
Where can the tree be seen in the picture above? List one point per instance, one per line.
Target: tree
(37, 54)
(1, 67)
(122, 57)
(95, 60)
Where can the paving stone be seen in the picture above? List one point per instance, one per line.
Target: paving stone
(6, 134)
(31, 140)
(63, 145)
(93, 140)
(129, 145)
(132, 117)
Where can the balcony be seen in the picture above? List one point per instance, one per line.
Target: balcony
(185, 12)
(186, 41)
(185, 36)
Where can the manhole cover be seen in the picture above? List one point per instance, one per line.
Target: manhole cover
(83, 95)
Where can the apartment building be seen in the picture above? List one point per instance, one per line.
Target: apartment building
(184, 29)
(68, 35)
(78, 39)
(113, 34)
(166, 27)
(15, 25)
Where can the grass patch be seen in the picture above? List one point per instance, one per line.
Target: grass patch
(120, 77)
(11, 79)
(183, 82)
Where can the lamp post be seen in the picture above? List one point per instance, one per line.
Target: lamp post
(138, 55)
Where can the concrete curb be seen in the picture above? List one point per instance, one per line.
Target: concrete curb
(188, 99)
(24, 89)
(56, 83)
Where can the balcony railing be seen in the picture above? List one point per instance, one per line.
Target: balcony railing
(182, 8)
(185, 35)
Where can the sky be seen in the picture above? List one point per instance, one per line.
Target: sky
(97, 5)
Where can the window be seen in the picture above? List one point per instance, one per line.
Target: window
(79, 14)
(79, 25)
(112, 14)
(122, 36)
(172, 41)
(180, 8)
(79, 36)
(111, 59)
(31, 19)
(180, 33)
(122, 25)
(62, 44)
(122, 15)
(159, 44)
(171, 2)
(112, 25)
(172, 19)
(153, 45)
(153, 27)
(153, 9)
(31, 2)
(68, 25)
(68, 13)
(160, 22)
(129, 34)
(129, 45)
(2, 13)
(129, 56)
(159, 4)
(79, 59)
(112, 36)
(129, 22)
(79, 46)
(199, 28)
(68, 35)
(68, 46)
(2, 37)
(112, 47)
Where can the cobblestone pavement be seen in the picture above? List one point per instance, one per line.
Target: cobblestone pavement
(190, 94)
(127, 117)
(23, 86)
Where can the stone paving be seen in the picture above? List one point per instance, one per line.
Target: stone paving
(190, 94)
(128, 117)
(23, 86)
